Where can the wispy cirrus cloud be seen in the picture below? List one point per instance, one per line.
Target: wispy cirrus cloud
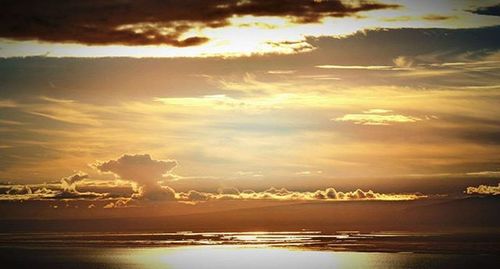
(493, 10)
(6, 103)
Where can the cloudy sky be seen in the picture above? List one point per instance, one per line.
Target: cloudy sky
(123, 101)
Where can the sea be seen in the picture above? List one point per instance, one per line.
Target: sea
(296, 249)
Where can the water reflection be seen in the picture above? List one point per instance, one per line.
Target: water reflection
(222, 257)
(301, 238)
(229, 256)
(338, 241)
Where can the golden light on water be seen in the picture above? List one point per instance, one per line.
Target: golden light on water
(230, 257)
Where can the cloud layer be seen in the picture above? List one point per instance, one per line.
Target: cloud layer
(489, 10)
(145, 175)
(150, 22)
(283, 194)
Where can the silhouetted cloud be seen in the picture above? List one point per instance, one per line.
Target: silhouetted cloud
(489, 10)
(283, 194)
(144, 171)
(149, 22)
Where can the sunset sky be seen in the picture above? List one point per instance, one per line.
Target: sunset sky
(125, 102)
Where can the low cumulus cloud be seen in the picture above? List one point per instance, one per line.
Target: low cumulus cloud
(66, 189)
(69, 188)
(484, 190)
(145, 175)
(493, 10)
(151, 22)
(144, 172)
(283, 194)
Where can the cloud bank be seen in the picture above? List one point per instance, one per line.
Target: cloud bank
(489, 10)
(286, 195)
(150, 22)
(65, 190)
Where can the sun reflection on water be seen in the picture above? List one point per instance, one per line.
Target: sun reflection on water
(239, 256)
(200, 250)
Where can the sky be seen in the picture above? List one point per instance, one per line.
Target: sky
(121, 103)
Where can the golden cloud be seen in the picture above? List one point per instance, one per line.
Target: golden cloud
(484, 190)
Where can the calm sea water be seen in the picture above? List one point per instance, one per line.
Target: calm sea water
(221, 257)
(305, 249)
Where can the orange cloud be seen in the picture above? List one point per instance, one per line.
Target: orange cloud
(286, 195)
(144, 175)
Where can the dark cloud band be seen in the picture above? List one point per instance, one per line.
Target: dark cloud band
(489, 10)
(151, 22)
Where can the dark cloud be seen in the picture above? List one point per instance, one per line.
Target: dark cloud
(140, 168)
(489, 10)
(142, 172)
(23, 78)
(378, 47)
(148, 22)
